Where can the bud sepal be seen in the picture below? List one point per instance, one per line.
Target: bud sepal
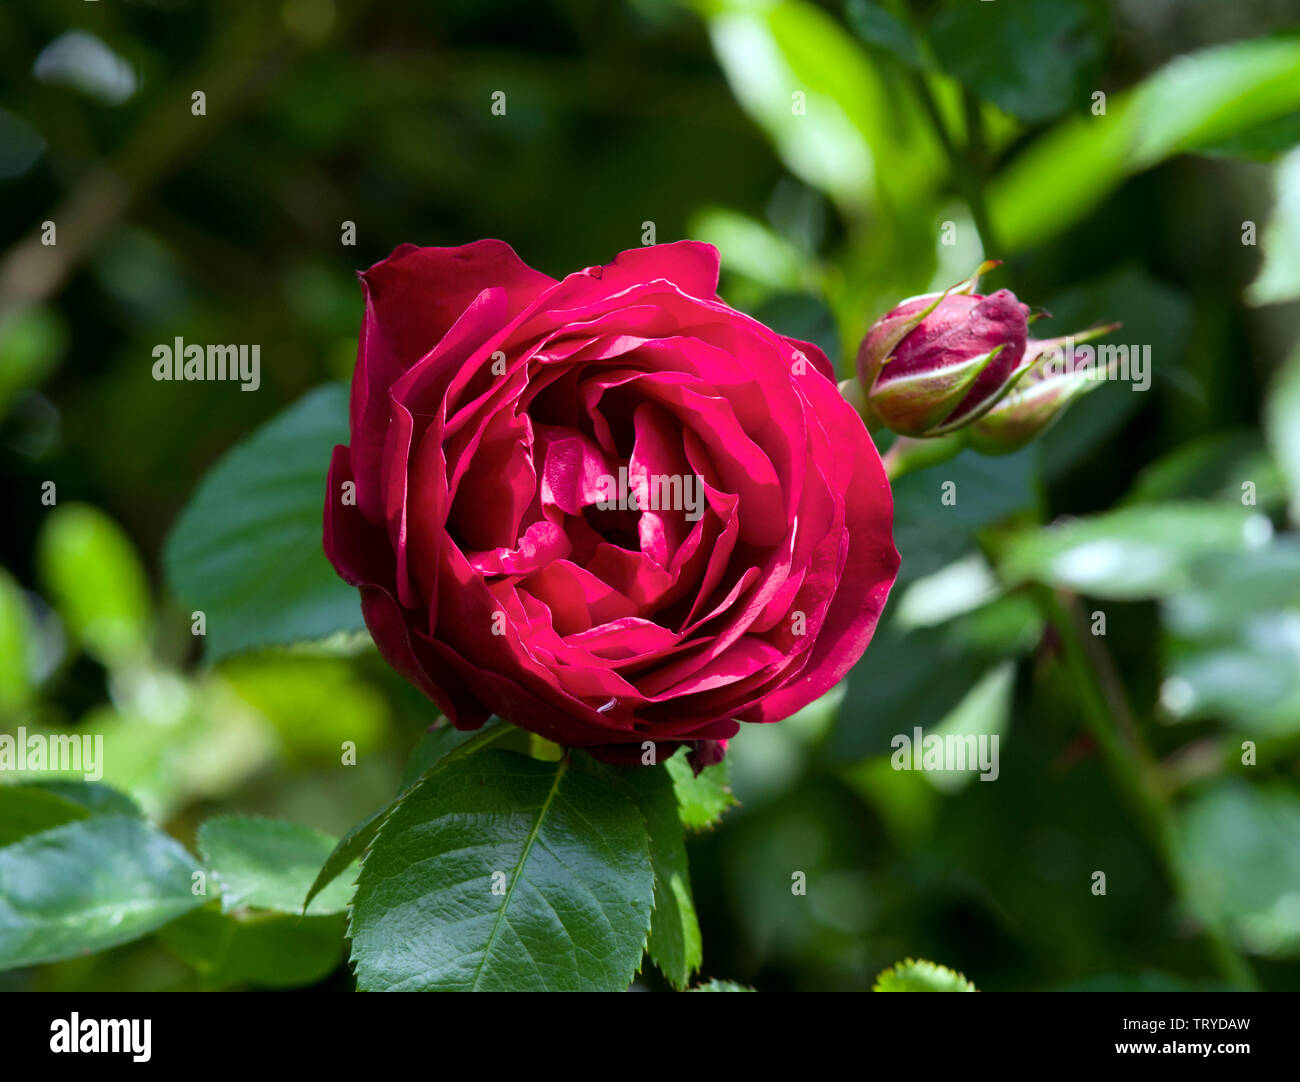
(1040, 398)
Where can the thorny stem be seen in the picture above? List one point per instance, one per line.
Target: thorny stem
(1110, 721)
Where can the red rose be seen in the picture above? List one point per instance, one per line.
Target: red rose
(608, 509)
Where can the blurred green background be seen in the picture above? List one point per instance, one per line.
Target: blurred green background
(822, 147)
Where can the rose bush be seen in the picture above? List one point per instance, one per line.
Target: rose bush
(524, 453)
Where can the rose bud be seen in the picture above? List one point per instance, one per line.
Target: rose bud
(1050, 384)
(937, 362)
(609, 509)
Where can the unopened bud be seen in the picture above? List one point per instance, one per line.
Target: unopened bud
(937, 362)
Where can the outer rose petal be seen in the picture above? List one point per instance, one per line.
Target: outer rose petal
(412, 299)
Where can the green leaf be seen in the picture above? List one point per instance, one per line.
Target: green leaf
(268, 864)
(1032, 64)
(96, 581)
(269, 950)
(1241, 852)
(87, 886)
(500, 872)
(1228, 596)
(25, 810)
(1254, 685)
(1196, 100)
(1282, 426)
(247, 550)
(907, 678)
(702, 797)
(29, 649)
(1136, 552)
(721, 986)
(675, 945)
(918, 975)
(955, 590)
(1279, 276)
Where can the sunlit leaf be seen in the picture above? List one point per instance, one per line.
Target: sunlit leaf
(918, 975)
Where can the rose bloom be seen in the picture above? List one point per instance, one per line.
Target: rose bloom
(608, 509)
